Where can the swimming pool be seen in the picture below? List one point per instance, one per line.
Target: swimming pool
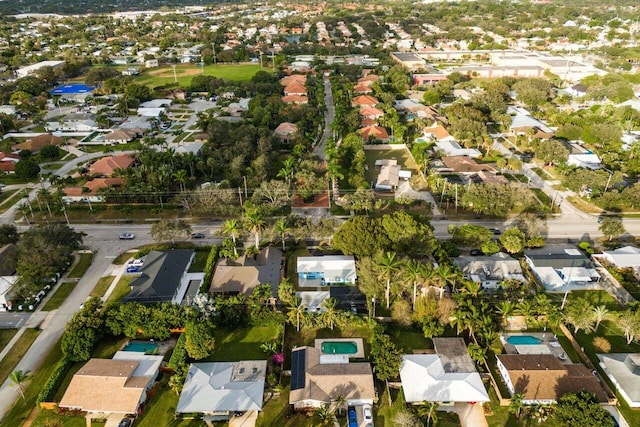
(339, 347)
(141, 347)
(523, 340)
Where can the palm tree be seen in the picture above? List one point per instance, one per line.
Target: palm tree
(324, 415)
(282, 228)
(252, 251)
(254, 222)
(412, 272)
(286, 172)
(339, 402)
(600, 313)
(17, 379)
(428, 410)
(181, 178)
(333, 171)
(231, 228)
(445, 275)
(516, 404)
(330, 314)
(505, 309)
(388, 264)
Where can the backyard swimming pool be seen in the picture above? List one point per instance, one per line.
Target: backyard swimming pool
(141, 347)
(523, 340)
(339, 347)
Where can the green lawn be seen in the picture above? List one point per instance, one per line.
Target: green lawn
(401, 155)
(200, 260)
(23, 408)
(409, 339)
(276, 412)
(81, 266)
(121, 289)
(133, 145)
(243, 342)
(61, 294)
(5, 337)
(6, 194)
(9, 362)
(184, 73)
(51, 418)
(101, 287)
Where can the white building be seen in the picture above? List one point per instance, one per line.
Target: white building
(30, 69)
(325, 270)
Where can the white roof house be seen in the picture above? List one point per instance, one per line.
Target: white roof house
(219, 388)
(452, 148)
(29, 69)
(320, 270)
(150, 112)
(447, 376)
(585, 160)
(625, 257)
(156, 103)
(623, 369)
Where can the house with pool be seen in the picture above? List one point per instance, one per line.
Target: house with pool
(317, 271)
(320, 373)
(447, 376)
(118, 386)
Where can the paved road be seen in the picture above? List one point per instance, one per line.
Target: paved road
(329, 116)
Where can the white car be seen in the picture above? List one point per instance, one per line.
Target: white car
(127, 236)
(366, 413)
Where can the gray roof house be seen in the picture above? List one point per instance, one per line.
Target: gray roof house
(563, 269)
(218, 389)
(623, 369)
(489, 271)
(243, 275)
(164, 277)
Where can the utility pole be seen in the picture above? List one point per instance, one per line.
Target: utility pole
(240, 194)
(245, 187)
(213, 48)
(175, 77)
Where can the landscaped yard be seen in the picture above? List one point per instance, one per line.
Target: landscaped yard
(62, 292)
(81, 266)
(401, 155)
(200, 260)
(184, 73)
(277, 413)
(121, 290)
(242, 344)
(9, 362)
(5, 337)
(101, 287)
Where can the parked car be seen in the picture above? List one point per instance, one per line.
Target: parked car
(476, 252)
(133, 269)
(366, 412)
(127, 236)
(125, 422)
(138, 262)
(495, 231)
(197, 236)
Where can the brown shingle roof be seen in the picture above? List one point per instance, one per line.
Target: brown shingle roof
(438, 132)
(464, 164)
(295, 99)
(365, 100)
(295, 89)
(36, 144)
(93, 186)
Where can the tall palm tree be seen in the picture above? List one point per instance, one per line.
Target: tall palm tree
(505, 309)
(282, 228)
(339, 400)
(412, 273)
(445, 275)
(516, 404)
(330, 314)
(296, 312)
(181, 178)
(231, 228)
(428, 410)
(17, 379)
(388, 264)
(286, 172)
(600, 313)
(254, 222)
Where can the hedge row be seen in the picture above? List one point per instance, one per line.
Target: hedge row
(179, 355)
(55, 380)
(209, 268)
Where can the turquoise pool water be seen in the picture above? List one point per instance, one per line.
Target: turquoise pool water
(523, 340)
(141, 347)
(339, 347)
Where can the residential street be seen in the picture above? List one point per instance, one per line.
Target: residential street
(330, 115)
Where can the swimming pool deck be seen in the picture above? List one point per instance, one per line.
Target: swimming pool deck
(359, 354)
(549, 344)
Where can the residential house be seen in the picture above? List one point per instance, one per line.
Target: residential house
(218, 390)
(130, 71)
(241, 276)
(370, 115)
(120, 136)
(237, 109)
(522, 123)
(90, 191)
(9, 110)
(317, 379)
(449, 376)
(112, 386)
(294, 78)
(36, 143)
(438, 133)
(314, 271)
(30, 69)
(375, 132)
(490, 270)
(623, 369)
(364, 101)
(543, 378)
(624, 257)
(295, 89)
(286, 130)
(7, 286)
(389, 175)
(151, 63)
(484, 177)
(8, 162)
(427, 79)
(295, 99)
(577, 90)
(559, 269)
(106, 166)
(585, 160)
(163, 277)
(465, 165)
(362, 88)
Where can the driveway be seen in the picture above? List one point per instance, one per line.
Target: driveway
(248, 419)
(471, 415)
(404, 189)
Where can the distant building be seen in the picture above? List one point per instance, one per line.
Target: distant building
(36, 143)
(30, 69)
(151, 63)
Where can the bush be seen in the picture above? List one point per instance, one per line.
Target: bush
(27, 169)
(601, 345)
(55, 380)
(179, 355)
(209, 268)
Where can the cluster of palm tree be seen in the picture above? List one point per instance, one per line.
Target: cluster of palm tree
(255, 223)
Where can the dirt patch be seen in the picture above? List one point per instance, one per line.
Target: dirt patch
(180, 72)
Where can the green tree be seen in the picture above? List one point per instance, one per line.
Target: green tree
(552, 151)
(386, 358)
(171, 229)
(26, 169)
(8, 234)
(600, 313)
(581, 409)
(428, 411)
(516, 404)
(282, 228)
(50, 152)
(388, 264)
(612, 228)
(255, 223)
(232, 228)
(629, 322)
(469, 234)
(580, 314)
(83, 331)
(200, 341)
(513, 240)
(330, 312)
(17, 379)
(361, 236)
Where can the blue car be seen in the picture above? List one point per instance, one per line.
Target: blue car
(133, 269)
(353, 418)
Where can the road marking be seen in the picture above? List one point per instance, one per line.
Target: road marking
(111, 256)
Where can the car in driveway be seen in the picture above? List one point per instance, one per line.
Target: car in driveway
(366, 413)
(495, 231)
(125, 422)
(127, 236)
(197, 236)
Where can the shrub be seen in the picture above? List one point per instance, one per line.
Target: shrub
(602, 345)
(209, 268)
(55, 380)
(179, 355)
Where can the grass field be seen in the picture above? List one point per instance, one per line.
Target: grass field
(101, 287)
(9, 362)
(5, 336)
(401, 155)
(79, 268)
(184, 73)
(244, 341)
(61, 294)
(121, 289)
